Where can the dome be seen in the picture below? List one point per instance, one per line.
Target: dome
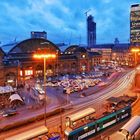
(71, 48)
(81, 50)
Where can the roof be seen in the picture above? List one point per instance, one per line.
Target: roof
(132, 125)
(29, 134)
(32, 44)
(81, 49)
(106, 117)
(114, 100)
(2, 51)
(121, 47)
(81, 114)
(75, 48)
(9, 46)
(14, 97)
(106, 46)
(62, 46)
(71, 48)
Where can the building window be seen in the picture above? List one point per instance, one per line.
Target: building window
(28, 72)
(21, 73)
(39, 71)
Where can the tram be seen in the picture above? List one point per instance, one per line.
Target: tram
(94, 126)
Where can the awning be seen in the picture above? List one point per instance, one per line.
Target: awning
(114, 100)
(133, 125)
(14, 97)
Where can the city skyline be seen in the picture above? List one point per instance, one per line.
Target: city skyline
(65, 22)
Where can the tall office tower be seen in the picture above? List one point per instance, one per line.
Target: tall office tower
(135, 25)
(91, 32)
(36, 34)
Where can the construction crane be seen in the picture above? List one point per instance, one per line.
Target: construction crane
(87, 12)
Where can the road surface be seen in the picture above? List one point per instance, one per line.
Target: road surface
(118, 88)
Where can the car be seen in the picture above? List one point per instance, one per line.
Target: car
(9, 113)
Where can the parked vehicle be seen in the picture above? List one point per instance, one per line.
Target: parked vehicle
(9, 113)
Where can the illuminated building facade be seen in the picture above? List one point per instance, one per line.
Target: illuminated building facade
(105, 50)
(135, 25)
(19, 65)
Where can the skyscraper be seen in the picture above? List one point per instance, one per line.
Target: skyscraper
(91, 32)
(135, 25)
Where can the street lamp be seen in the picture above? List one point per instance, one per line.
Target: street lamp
(45, 56)
(135, 51)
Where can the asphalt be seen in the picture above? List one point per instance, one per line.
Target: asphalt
(56, 98)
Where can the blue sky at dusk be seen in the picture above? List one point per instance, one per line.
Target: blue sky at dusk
(64, 20)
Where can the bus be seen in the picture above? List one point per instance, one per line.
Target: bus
(29, 134)
(90, 129)
(130, 131)
(75, 119)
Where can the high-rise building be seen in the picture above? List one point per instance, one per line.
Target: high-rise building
(135, 25)
(91, 32)
(37, 34)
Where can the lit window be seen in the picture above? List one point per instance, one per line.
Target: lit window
(39, 72)
(28, 72)
(21, 73)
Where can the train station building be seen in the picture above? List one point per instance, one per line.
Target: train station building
(18, 63)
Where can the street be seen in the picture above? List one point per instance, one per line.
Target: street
(96, 101)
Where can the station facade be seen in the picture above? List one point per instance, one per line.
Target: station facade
(18, 64)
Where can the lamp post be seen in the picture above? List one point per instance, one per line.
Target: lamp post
(135, 51)
(45, 56)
